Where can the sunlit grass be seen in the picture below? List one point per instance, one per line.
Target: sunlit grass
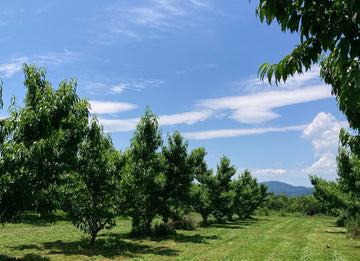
(260, 238)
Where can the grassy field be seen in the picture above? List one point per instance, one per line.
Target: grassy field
(260, 238)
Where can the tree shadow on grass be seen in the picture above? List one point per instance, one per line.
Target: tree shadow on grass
(335, 224)
(26, 246)
(111, 245)
(236, 223)
(107, 246)
(178, 237)
(27, 257)
(227, 225)
(35, 219)
(198, 239)
(335, 232)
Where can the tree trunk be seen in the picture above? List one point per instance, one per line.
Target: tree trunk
(147, 226)
(204, 217)
(93, 237)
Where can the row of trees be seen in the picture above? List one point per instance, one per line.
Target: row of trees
(55, 155)
(305, 205)
(221, 196)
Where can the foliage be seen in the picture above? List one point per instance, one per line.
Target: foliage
(200, 191)
(276, 202)
(329, 34)
(40, 143)
(325, 27)
(248, 194)
(144, 179)
(221, 195)
(163, 229)
(179, 174)
(92, 191)
(306, 205)
(185, 223)
(343, 195)
(201, 200)
(352, 224)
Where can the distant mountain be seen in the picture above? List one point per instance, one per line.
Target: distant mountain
(291, 191)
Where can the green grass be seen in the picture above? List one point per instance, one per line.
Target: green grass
(261, 238)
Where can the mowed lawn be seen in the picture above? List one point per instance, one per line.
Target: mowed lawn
(260, 238)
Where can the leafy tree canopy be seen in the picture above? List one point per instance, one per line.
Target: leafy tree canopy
(178, 170)
(330, 28)
(91, 195)
(220, 188)
(144, 179)
(39, 143)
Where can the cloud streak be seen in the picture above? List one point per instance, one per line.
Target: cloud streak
(56, 58)
(146, 19)
(266, 173)
(7, 70)
(114, 125)
(136, 85)
(253, 108)
(229, 133)
(258, 108)
(104, 107)
(186, 118)
(308, 78)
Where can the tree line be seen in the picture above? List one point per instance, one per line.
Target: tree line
(55, 155)
(303, 205)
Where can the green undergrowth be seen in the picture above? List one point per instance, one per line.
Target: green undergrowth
(259, 238)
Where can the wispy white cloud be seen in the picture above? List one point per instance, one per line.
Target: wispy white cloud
(266, 173)
(258, 107)
(187, 118)
(7, 70)
(228, 133)
(309, 78)
(199, 3)
(143, 20)
(253, 108)
(106, 87)
(323, 132)
(104, 107)
(119, 88)
(56, 58)
(208, 65)
(136, 85)
(10, 15)
(114, 125)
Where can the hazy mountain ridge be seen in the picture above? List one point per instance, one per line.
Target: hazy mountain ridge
(278, 187)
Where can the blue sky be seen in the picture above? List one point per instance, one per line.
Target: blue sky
(195, 63)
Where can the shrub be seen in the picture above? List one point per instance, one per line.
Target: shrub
(187, 223)
(282, 213)
(174, 224)
(164, 230)
(352, 224)
(263, 211)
